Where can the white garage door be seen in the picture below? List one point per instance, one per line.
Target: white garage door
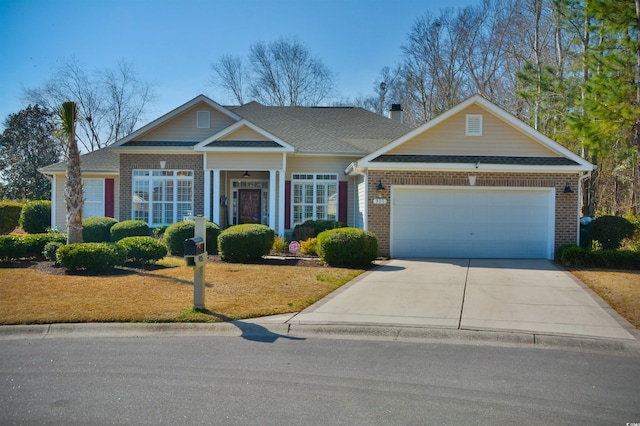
(472, 222)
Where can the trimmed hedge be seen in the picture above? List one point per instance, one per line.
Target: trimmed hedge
(578, 257)
(35, 217)
(143, 249)
(245, 242)
(9, 216)
(609, 231)
(347, 246)
(97, 229)
(129, 228)
(50, 250)
(27, 246)
(175, 235)
(91, 256)
(311, 228)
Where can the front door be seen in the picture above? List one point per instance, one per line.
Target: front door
(249, 203)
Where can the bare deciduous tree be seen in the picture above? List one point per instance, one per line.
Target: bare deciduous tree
(110, 103)
(230, 75)
(282, 72)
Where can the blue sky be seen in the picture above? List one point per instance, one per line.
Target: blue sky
(172, 44)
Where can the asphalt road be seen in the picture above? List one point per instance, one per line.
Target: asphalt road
(235, 381)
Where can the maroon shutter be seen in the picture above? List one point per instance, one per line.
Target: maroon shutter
(109, 200)
(343, 211)
(287, 204)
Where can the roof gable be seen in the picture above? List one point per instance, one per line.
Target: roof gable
(180, 125)
(502, 135)
(243, 136)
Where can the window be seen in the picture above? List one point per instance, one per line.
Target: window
(162, 197)
(93, 197)
(474, 125)
(314, 197)
(203, 119)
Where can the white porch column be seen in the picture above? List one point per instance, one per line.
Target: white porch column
(281, 212)
(216, 196)
(272, 199)
(207, 193)
(54, 202)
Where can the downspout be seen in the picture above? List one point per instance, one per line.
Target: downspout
(581, 180)
(351, 170)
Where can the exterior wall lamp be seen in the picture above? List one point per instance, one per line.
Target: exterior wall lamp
(380, 187)
(246, 175)
(567, 189)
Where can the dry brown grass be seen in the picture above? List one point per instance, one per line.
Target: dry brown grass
(232, 291)
(621, 290)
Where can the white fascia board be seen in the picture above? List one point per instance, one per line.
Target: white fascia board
(168, 116)
(421, 129)
(500, 113)
(154, 150)
(201, 146)
(471, 167)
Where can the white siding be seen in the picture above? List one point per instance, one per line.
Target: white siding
(244, 134)
(244, 161)
(498, 138)
(360, 204)
(183, 126)
(318, 164)
(61, 208)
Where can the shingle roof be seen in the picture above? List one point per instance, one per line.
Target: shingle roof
(324, 129)
(103, 160)
(245, 144)
(161, 143)
(482, 159)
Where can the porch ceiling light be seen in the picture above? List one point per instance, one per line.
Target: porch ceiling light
(246, 175)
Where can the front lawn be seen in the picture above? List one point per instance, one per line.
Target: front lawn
(33, 292)
(620, 289)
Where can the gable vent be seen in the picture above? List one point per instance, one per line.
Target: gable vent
(474, 125)
(203, 119)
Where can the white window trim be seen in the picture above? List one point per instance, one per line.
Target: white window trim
(102, 198)
(203, 119)
(315, 181)
(150, 202)
(468, 121)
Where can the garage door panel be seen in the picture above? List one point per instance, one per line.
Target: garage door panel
(511, 223)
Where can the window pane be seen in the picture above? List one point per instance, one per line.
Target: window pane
(321, 213)
(157, 214)
(308, 194)
(321, 194)
(297, 193)
(140, 190)
(184, 211)
(141, 211)
(184, 190)
(168, 194)
(308, 213)
(93, 190)
(158, 190)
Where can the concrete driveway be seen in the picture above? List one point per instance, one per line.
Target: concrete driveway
(471, 294)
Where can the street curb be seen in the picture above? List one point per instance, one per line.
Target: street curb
(269, 332)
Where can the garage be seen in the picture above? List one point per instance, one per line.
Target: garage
(472, 222)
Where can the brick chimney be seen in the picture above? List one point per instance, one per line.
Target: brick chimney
(395, 113)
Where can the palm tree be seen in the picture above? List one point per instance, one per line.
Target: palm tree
(73, 192)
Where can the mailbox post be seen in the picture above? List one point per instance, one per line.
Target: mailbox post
(195, 253)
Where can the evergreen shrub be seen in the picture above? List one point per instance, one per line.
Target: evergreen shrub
(91, 256)
(143, 249)
(9, 216)
(347, 246)
(129, 228)
(35, 216)
(175, 235)
(245, 242)
(97, 229)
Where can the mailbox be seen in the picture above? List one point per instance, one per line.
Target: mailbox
(193, 246)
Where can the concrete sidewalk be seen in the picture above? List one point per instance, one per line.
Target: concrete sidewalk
(532, 296)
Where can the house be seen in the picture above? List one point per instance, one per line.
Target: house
(473, 182)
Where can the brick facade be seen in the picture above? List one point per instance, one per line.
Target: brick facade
(130, 162)
(566, 205)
